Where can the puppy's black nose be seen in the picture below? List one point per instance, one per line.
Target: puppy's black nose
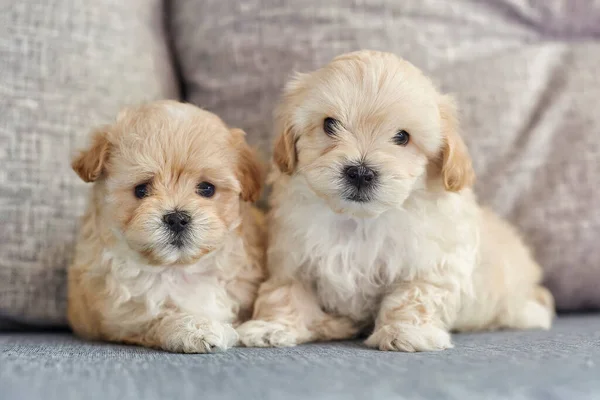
(177, 221)
(359, 176)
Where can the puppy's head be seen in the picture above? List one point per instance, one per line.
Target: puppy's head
(170, 178)
(366, 131)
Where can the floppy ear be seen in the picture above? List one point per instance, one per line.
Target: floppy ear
(89, 164)
(284, 151)
(250, 170)
(457, 169)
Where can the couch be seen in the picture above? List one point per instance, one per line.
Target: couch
(561, 364)
(525, 76)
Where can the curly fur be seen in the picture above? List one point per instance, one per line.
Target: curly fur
(420, 258)
(128, 282)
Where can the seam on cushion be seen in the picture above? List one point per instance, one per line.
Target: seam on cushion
(167, 25)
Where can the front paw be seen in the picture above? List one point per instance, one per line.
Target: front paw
(409, 338)
(258, 333)
(203, 337)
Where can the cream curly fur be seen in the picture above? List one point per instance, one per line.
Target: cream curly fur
(420, 258)
(128, 283)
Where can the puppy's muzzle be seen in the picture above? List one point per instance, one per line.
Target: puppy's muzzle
(359, 182)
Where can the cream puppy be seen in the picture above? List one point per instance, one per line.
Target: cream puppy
(171, 252)
(374, 227)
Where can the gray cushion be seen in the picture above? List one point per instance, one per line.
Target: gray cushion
(66, 66)
(525, 73)
(563, 363)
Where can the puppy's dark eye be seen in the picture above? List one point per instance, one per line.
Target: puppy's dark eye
(401, 138)
(330, 126)
(205, 189)
(141, 190)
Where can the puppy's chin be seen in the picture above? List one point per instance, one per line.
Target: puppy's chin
(159, 248)
(172, 255)
(342, 200)
(358, 209)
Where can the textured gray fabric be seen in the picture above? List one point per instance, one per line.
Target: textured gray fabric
(67, 66)
(525, 73)
(561, 364)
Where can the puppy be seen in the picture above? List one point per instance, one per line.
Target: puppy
(374, 227)
(171, 252)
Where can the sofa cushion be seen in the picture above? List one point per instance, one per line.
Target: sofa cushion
(66, 67)
(525, 74)
(563, 363)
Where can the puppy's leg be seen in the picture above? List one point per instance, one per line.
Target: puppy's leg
(183, 333)
(535, 312)
(287, 314)
(506, 282)
(415, 317)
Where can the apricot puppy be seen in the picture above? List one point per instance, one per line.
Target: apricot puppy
(374, 227)
(171, 251)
